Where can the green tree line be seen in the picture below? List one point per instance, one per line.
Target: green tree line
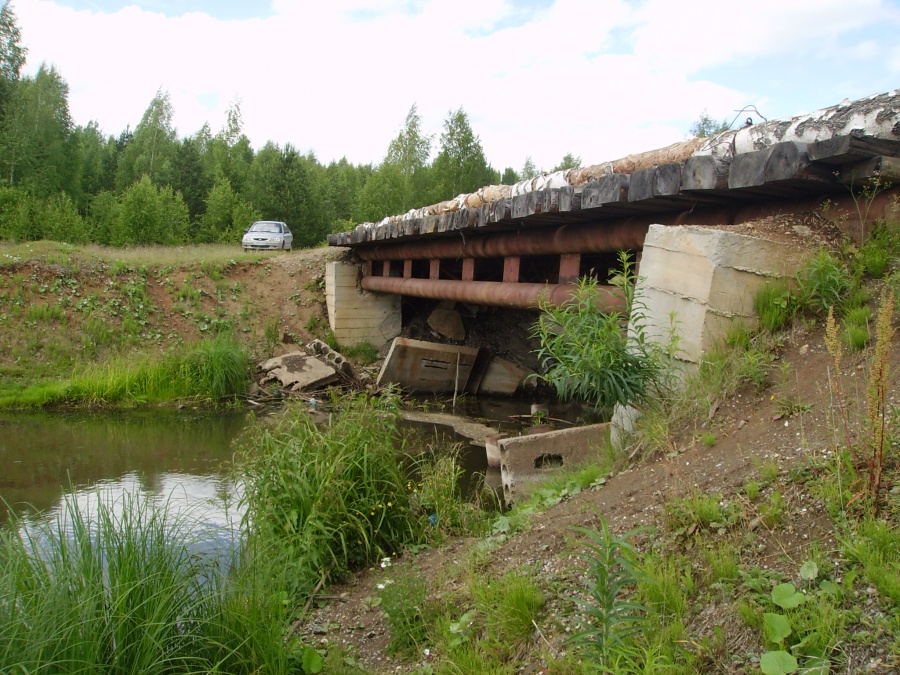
(73, 183)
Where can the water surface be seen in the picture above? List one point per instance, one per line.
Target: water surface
(179, 457)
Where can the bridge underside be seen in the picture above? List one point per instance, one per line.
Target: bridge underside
(530, 248)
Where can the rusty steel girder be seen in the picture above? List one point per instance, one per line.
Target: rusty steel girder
(573, 238)
(490, 293)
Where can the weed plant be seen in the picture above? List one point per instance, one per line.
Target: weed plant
(609, 620)
(404, 601)
(774, 305)
(822, 282)
(128, 589)
(871, 462)
(600, 357)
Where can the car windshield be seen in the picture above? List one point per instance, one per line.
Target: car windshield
(265, 227)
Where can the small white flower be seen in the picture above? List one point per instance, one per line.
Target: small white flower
(380, 587)
(385, 562)
(427, 652)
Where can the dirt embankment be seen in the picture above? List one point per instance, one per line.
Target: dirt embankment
(63, 311)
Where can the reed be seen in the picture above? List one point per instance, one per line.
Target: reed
(127, 587)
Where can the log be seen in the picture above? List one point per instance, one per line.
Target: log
(885, 169)
(533, 202)
(852, 148)
(500, 210)
(429, 224)
(550, 201)
(705, 172)
(778, 163)
(569, 199)
(614, 188)
(519, 207)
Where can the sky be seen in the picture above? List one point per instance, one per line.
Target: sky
(538, 78)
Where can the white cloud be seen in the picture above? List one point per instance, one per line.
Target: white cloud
(598, 78)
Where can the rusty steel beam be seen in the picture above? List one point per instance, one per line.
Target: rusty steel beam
(490, 293)
(574, 238)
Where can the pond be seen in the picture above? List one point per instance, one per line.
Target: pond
(180, 457)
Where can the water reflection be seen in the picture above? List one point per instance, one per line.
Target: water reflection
(175, 457)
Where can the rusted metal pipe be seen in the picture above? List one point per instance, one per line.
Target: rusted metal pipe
(490, 293)
(573, 238)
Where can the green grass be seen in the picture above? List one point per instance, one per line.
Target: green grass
(774, 305)
(210, 371)
(122, 590)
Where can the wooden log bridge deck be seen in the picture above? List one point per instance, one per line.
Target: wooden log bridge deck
(516, 245)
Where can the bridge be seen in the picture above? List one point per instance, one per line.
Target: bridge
(520, 245)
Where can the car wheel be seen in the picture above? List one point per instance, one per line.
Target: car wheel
(288, 248)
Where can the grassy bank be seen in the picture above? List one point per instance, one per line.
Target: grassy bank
(208, 372)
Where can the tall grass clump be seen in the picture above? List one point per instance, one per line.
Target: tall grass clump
(327, 500)
(209, 371)
(600, 357)
(126, 587)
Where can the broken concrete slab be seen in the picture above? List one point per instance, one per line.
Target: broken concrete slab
(525, 459)
(474, 431)
(298, 372)
(427, 366)
(330, 357)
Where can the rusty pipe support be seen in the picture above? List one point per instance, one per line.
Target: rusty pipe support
(573, 238)
(490, 293)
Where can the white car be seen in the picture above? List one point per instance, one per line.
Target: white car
(269, 235)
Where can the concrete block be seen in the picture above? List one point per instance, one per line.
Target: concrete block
(505, 378)
(526, 459)
(356, 316)
(707, 279)
(427, 366)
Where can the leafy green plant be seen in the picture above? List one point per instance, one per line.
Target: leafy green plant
(709, 439)
(822, 283)
(608, 620)
(602, 358)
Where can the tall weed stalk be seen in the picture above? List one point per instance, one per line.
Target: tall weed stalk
(868, 454)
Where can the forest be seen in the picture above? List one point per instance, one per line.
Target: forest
(149, 185)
